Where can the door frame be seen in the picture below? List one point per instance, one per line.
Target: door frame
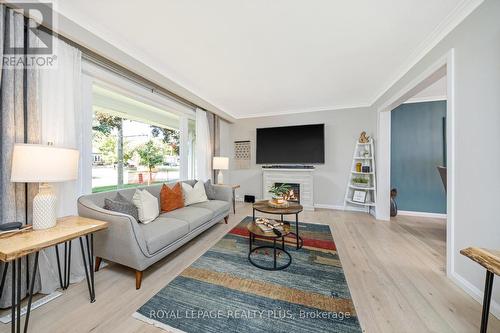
(444, 66)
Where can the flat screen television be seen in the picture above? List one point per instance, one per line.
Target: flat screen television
(291, 144)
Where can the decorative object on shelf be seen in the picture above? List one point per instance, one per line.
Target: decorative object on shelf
(242, 154)
(44, 164)
(361, 181)
(364, 153)
(361, 189)
(220, 163)
(359, 196)
(394, 205)
(363, 138)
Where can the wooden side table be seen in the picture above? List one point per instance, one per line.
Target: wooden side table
(15, 247)
(233, 187)
(293, 208)
(489, 259)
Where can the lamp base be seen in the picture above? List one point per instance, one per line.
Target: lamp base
(44, 208)
(220, 178)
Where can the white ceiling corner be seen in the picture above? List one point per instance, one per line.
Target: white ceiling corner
(256, 58)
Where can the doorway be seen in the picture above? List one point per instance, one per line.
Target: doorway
(418, 153)
(444, 67)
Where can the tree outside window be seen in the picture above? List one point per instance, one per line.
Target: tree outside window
(128, 153)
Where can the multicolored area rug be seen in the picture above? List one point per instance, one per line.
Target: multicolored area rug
(223, 292)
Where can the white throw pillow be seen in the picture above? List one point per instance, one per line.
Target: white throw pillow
(194, 194)
(147, 205)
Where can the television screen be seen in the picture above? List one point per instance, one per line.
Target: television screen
(291, 144)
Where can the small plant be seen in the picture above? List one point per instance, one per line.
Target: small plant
(280, 190)
(361, 180)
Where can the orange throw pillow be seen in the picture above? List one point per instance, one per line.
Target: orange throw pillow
(171, 198)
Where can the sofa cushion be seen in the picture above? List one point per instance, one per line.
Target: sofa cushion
(194, 194)
(171, 198)
(162, 232)
(194, 216)
(218, 207)
(147, 205)
(209, 189)
(120, 204)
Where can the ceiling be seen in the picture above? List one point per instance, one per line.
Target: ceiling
(262, 57)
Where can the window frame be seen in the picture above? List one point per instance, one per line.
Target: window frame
(95, 74)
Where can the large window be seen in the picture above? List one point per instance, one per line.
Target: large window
(133, 143)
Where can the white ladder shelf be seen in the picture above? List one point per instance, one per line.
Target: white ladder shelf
(364, 153)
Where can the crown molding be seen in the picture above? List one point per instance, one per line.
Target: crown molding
(464, 9)
(307, 110)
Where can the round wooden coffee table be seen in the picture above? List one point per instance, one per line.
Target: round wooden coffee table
(293, 208)
(255, 231)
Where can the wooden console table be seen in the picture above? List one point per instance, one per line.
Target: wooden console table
(489, 259)
(16, 246)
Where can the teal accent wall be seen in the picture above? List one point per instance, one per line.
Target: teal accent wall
(417, 147)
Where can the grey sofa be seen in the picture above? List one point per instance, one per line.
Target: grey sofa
(138, 245)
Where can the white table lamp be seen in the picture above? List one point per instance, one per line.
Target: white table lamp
(220, 163)
(44, 164)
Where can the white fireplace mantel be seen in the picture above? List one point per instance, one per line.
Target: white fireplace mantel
(303, 177)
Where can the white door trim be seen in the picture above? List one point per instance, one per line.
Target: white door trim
(444, 66)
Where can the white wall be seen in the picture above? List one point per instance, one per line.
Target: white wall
(226, 147)
(476, 44)
(342, 128)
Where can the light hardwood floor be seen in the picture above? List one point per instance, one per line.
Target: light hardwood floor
(395, 272)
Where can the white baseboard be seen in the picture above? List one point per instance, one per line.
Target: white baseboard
(474, 293)
(339, 207)
(421, 214)
(325, 206)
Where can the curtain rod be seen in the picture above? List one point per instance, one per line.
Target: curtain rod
(135, 78)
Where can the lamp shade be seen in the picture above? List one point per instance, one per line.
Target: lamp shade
(43, 164)
(221, 163)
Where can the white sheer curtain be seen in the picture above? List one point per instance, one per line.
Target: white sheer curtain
(61, 123)
(203, 147)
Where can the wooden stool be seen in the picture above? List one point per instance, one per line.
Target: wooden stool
(489, 259)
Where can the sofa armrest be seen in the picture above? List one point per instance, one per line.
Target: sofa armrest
(224, 193)
(123, 241)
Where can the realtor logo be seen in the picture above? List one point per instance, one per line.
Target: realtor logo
(36, 47)
(36, 42)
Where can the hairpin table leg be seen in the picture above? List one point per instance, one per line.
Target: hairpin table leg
(89, 254)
